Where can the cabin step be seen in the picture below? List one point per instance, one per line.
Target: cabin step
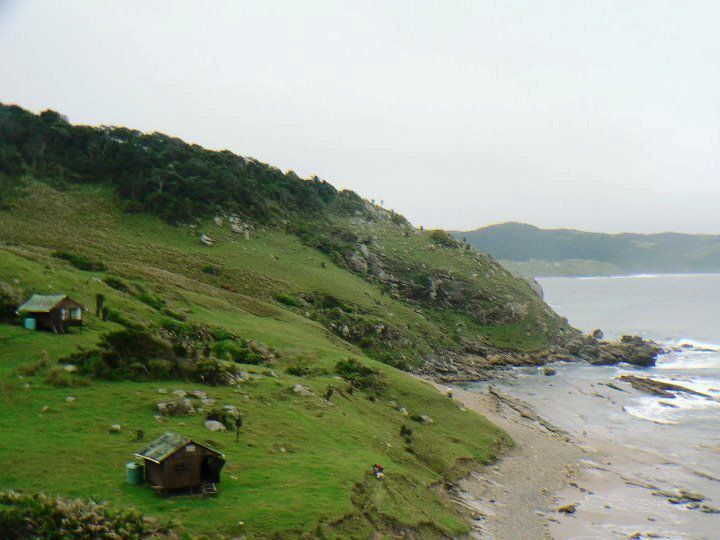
(209, 488)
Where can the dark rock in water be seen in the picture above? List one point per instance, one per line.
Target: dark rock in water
(659, 388)
(666, 404)
(630, 349)
(597, 334)
(549, 371)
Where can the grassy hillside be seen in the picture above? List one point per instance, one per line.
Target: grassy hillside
(292, 448)
(531, 251)
(299, 278)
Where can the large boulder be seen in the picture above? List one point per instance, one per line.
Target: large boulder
(302, 390)
(178, 407)
(214, 425)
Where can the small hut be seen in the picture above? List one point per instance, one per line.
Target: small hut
(174, 462)
(56, 312)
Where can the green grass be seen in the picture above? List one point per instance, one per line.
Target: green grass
(321, 479)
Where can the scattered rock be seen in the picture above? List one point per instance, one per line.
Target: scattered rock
(72, 368)
(180, 393)
(198, 394)
(597, 334)
(548, 371)
(70, 399)
(258, 347)
(568, 508)
(205, 239)
(403, 411)
(423, 419)
(214, 425)
(208, 401)
(45, 409)
(115, 428)
(162, 391)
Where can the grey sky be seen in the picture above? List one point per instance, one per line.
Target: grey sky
(458, 114)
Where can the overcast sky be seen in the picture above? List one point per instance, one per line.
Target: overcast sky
(458, 114)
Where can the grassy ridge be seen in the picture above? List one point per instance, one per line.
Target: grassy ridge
(301, 464)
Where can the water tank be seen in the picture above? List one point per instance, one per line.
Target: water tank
(134, 473)
(30, 323)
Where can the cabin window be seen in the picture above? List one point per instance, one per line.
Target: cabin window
(76, 314)
(181, 469)
(190, 448)
(63, 314)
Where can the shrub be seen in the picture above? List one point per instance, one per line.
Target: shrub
(131, 353)
(442, 238)
(40, 516)
(161, 369)
(212, 270)
(213, 372)
(59, 377)
(115, 316)
(35, 367)
(10, 299)
(152, 301)
(80, 262)
(288, 300)
(236, 351)
(359, 376)
(116, 283)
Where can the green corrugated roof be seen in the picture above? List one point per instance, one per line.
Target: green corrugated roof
(42, 303)
(163, 446)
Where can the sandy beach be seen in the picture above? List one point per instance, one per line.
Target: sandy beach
(608, 490)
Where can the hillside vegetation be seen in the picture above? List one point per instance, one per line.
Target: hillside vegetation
(263, 290)
(530, 251)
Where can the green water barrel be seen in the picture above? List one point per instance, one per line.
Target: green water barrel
(134, 473)
(30, 323)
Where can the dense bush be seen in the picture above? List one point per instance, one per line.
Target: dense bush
(116, 283)
(360, 376)
(81, 262)
(131, 353)
(59, 377)
(214, 372)
(10, 300)
(442, 238)
(237, 352)
(24, 516)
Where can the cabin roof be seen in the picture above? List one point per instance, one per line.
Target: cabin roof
(166, 445)
(42, 303)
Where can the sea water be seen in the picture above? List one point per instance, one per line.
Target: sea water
(682, 313)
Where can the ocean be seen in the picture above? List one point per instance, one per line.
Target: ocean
(681, 433)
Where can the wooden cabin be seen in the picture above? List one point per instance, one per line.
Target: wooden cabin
(173, 462)
(56, 312)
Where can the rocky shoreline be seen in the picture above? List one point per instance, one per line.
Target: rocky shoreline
(479, 362)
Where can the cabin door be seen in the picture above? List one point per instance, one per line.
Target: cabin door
(211, 467)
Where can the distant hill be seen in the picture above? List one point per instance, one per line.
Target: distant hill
(529, 250)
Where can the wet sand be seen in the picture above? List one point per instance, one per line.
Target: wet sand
(616, 491)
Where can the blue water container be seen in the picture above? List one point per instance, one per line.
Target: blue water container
(30, 323)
